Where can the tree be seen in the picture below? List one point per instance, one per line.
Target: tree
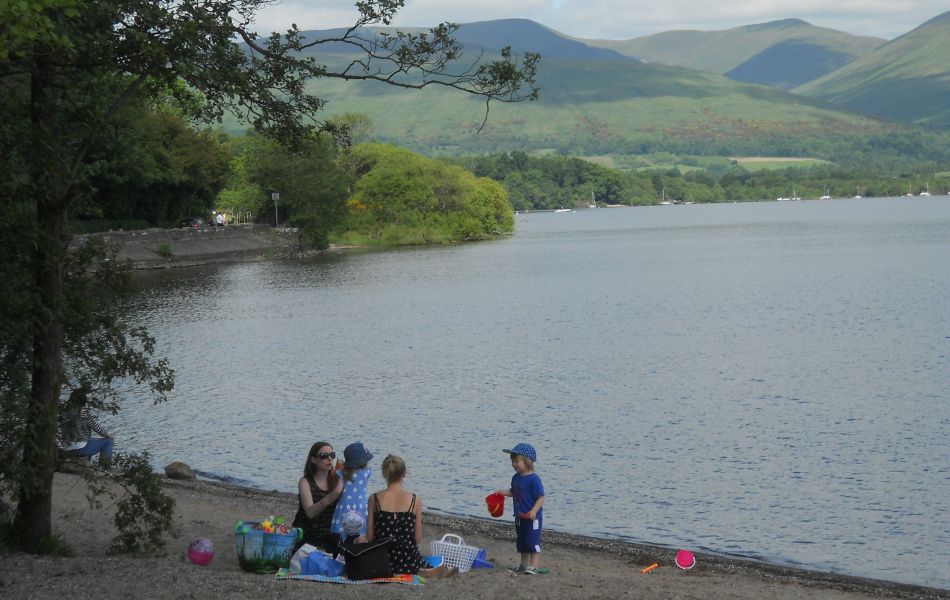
(68, 70)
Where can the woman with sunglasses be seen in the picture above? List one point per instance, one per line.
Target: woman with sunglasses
(317, 495)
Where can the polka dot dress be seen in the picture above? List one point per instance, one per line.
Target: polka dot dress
(404, 555)
(354, 498)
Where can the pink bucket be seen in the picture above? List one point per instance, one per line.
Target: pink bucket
(685, 560)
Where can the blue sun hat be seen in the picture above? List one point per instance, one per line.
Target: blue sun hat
(524, 450)
(356, 455)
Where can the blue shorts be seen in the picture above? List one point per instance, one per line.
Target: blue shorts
(528, 535)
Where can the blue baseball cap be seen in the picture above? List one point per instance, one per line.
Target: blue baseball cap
(524, 450)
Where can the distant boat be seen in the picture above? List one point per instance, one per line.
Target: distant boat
(794, 196)
(827, 195)
(564, 210)
(664, 202)
(857, 193)
(926, 193)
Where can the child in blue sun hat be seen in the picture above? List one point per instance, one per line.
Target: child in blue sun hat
(355, 498)
(527, 491)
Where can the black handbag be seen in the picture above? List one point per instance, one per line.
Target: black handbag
(368, 560)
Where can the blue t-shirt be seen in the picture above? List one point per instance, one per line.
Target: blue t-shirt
(354, 497)
(525, 491)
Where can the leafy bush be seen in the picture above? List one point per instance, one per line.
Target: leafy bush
(144, 514)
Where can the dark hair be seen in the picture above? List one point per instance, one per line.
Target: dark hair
(310, 469)
(79, 397)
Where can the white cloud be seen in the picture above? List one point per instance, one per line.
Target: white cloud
(623, 19)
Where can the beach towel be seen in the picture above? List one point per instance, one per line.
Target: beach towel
(403, 579)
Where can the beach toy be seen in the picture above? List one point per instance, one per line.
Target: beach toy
(650, 568)
(265, 546)
(200, 551)
(496, 504)
(353, 522)
(685, 560)
(481, 560)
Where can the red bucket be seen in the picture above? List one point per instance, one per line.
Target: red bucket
(496, 504)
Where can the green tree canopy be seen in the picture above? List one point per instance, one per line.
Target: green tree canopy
(401, 197)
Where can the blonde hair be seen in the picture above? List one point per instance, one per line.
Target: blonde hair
(394, 468)
(527, 461)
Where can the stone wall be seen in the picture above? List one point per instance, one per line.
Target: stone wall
(163, 248)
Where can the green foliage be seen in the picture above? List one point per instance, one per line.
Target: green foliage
(164, 250)
(546, 182)
(144, 513)
(155, 169)
(403, 198)
(309, 180)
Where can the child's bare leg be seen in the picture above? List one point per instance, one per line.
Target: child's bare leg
(534, 558)
(525, 559)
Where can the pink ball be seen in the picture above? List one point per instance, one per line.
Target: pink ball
(200, 551)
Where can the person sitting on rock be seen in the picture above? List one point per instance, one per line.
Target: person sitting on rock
(76, 426)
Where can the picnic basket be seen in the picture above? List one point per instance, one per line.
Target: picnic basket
(455, 553)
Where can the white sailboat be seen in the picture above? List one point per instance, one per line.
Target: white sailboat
(664, 202)
(827, 195)
(927, 192)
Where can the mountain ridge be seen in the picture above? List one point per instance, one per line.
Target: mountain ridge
(907, 78)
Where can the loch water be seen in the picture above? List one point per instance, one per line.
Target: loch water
(767, 380)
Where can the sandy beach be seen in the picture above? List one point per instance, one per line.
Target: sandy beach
(580, 567)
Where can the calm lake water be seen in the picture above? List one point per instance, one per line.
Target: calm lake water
(769, 380)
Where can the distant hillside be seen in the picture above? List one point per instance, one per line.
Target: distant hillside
(789, 64)
(525, 35)
(522, 35)
(595, 102)
(774, 51)
(906, 79)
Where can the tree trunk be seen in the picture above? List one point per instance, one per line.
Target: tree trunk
(33, 522)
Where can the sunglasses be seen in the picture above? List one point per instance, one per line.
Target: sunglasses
(326, 455)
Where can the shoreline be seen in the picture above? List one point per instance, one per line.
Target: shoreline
(641, 553)
(581, 566)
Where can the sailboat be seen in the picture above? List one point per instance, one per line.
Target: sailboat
(827, 195)
(665, 202)
(910, 190)
(593, 201)
(857, 193)
(795, 196)
(926, 193)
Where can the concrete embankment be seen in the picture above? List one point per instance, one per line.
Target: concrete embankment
(165, 248)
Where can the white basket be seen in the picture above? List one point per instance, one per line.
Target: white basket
(455, 554)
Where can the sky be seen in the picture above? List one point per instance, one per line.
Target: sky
(623, 19)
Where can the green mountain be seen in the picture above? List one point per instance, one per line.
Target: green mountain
(770, 49)
(594, 102)
(595, 107)
(906, 79)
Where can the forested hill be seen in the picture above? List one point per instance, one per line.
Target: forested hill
(593, 102)
(761, 53)
(906, 79)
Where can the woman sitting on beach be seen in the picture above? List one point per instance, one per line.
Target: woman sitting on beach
(317, 494)
(397, 513)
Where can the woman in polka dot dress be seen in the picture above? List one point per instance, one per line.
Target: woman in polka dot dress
(397, 513)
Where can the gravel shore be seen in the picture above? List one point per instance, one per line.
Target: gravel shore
(581, 567)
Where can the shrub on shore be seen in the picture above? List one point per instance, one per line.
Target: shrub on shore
(402, 198)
